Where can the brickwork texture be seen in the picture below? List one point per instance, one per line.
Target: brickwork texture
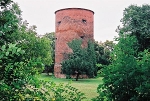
(71, 23)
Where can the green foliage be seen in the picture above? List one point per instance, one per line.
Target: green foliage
(64, 92)
(4, 3)
(99, 68)
(36, 47)
(15, 71)
(18, 67)
(86, 86)
(91, 59)
(127, 78)
(136, 23)
(49, 68)
(18, 81)
(81, 60)
(9, 20)
(14, 30)
(103, 51)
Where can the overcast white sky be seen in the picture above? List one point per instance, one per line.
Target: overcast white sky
(108, 14)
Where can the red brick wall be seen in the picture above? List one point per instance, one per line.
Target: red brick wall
(71, 23)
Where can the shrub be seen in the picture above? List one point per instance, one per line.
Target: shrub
(18, 81)
(127, 78)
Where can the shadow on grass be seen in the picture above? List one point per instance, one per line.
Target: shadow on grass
(87, 86)
(51, 77)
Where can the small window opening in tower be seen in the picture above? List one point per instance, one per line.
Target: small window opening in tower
(55, 38)
(83, 20)
(81, 37)
(58, 22)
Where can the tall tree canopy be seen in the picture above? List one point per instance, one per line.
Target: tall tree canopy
(9, 22)
(51, 37)
(127, 78)
(36, 47)
(136, 22)
(103, 50)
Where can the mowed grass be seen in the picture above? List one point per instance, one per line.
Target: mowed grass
(87, 86)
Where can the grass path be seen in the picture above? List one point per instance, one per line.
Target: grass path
(87, 86)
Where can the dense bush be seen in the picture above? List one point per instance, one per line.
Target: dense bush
(127, 78)
(16, 72)
(62, 92)
(18, 81)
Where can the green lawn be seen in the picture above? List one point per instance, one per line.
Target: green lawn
(87, 86)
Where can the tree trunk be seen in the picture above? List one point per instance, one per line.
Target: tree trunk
(77, 76)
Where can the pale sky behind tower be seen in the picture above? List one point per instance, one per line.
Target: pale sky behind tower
(108, 14)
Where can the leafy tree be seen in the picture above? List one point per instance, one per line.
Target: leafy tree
(103, 51)
(127, 77)
(108, 45)
(81, 60)
(18, 69)
(9, 22)
(136, 23)
(51, 37)
(91, 59)
(14, 30)
(36, 47)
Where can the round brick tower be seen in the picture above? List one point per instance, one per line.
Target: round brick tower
(71, 23)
